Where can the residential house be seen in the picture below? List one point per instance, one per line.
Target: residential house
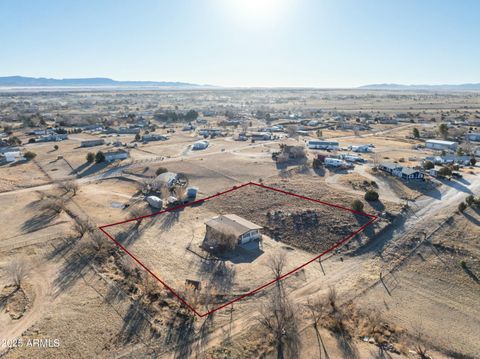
(322, 145)
(115, 155)
(200, 145)
(154, 137)
(92, 143)
(405, 173)
(243, 230)
(441, 145)
(474, 137)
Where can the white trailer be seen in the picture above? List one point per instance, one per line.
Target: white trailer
(154, 201)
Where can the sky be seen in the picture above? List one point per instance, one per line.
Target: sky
(267, 43)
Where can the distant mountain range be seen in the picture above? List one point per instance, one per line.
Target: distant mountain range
(459, 87)
(21, 81)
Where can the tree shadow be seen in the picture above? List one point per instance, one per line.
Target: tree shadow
(135, 322)
(62, 249)
(469, 272)
(345, 343)
(71, 271)
(319, 171)
(180, 334)
(39, 220)
(218, 274)
(168, 219)
(377, 205)
(130, 235)
(472, 219)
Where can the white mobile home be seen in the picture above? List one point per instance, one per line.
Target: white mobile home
(335, 162)
(92, 143)
(200, 145)
(115, 155)
(322, 145)
(441, 145)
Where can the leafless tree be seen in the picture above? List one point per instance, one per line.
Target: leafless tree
(56, 204)
(220, 241)
(17, 271)
(68, 186)
(277, 262)
(138, 213)
(292, 131)
(419, 342)
(82, 227)
(315, 310)
(278, 318)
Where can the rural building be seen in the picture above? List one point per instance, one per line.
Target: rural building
(475, 137)
(12, 156)
(352, 158)
(442, 160)
(9, 149)
(441, 145)
(91, 143)
(362, 148)
(168, 179)
(223, 226)
(115, 155)
(210, 132)
(405, 173)
(261, 136)
(154, 137)
(322, 145)
(200, 145)
(336, 162)
(52, 137)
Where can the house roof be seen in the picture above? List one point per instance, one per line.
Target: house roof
(113, 153)
(390, 165)
(409, 171)
(441, 142)
(232, 224)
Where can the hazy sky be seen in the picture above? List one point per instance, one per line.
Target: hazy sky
(321, 43)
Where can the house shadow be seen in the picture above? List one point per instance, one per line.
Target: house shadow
(290, 163)
(423, 189)
(243, 253)
(97, 167)
(80, 168)
(457, 185)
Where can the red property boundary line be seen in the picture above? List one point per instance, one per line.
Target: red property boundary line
(335, 246)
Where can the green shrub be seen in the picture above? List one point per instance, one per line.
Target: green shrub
(357, 205)
(90, 157)
(30, 155)
(371, 195)
(99, 157)
(462, 207)
(160, 170)
(428, 165)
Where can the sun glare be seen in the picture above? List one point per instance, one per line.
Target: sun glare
(257, 11)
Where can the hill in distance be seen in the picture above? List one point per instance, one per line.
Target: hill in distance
(21, 81)
(455, 87)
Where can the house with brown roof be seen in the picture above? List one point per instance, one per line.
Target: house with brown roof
(232, 228)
